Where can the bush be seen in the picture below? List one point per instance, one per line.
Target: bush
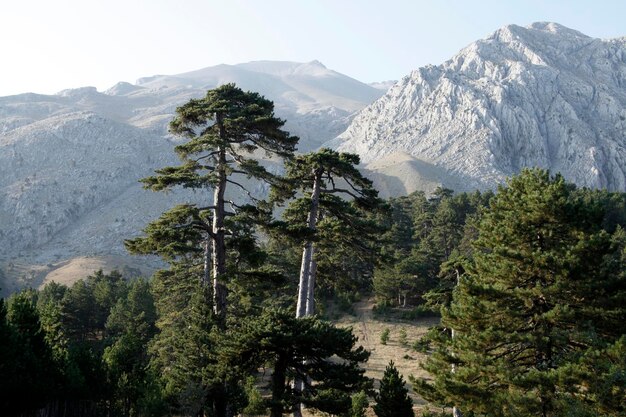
(384, 336)
(421, 345)
(344, 302)
(418, 312)
(385, 310)
(402, 338)
(256, 404)
(359, 405)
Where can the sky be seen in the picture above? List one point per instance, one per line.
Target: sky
(51, 45)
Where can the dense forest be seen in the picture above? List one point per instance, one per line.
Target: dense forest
(530, 283)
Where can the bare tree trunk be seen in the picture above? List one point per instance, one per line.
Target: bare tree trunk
(303, 283)
(310, 298)
(307, 253)
(207, 261)
(308, 269)
(219, 246)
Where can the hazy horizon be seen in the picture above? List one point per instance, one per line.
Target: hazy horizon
(69, 43)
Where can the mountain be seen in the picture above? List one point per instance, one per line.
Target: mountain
(317, 103)
(542, 95)
(70, 162)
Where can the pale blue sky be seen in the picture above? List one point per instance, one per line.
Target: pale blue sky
(49, 45)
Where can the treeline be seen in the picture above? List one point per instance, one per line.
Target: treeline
(423, 234)
(79, 351)
(110, 347)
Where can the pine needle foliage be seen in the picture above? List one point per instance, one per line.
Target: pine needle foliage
(542, 298)
(393, 398)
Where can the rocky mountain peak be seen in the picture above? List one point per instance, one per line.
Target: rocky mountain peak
(542, 95)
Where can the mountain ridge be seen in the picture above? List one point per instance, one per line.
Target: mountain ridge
(544, 95)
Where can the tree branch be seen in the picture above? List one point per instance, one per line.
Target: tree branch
(243, 188)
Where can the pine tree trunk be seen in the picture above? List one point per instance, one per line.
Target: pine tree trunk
(310, 298)
(279, 378)
(307, 253)
(303, 283)
(455, 410)
(306, 286)
(207, 262)
(219, 246)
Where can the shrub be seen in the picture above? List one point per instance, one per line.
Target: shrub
(384, 336)
(402, 338)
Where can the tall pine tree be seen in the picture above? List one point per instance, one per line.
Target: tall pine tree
(223, 129)
(393, 398)
(330, 213)
(543, 293)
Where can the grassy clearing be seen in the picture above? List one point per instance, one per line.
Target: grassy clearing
(369, 329)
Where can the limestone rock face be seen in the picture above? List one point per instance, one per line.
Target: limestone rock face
(70, 162)
(543, 95)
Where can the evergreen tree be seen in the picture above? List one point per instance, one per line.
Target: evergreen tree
(543, 293)
(182, 350)
(9, 363)
(330, 217)
(393, 398)
(35, 376)
(359, 405)
(425, 234)
(308, 349)
(223, 130)
(131, 326)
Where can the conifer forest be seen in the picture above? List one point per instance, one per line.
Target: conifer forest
(529, 282)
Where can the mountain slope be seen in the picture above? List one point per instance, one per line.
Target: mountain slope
(543, 95)
(70, 162)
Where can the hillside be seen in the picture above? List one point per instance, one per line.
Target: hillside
(71, 161)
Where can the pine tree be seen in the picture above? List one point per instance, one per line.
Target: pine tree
(393, 398)
(223, 129)
(130, 326)
(309, 349)
(336, 199)
(35, 376)
(543, 291)
(182, 351)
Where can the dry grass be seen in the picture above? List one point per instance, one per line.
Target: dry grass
(368, 329)
(70, 271)
(24, 274)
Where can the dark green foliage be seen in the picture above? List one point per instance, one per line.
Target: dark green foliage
(80, 350)
(29, 377)
(86, 306)
(393, 398)
(182, 349)
(425, 235)
(541, 300)
(359, 405)
(131, 326)
(256, 404)
(299, 348)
